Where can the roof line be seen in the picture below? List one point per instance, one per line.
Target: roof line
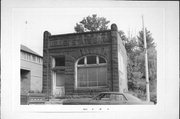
(28, 50)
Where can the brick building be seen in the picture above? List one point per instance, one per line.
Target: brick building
(84, 63)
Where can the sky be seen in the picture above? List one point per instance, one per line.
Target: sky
(30, 23)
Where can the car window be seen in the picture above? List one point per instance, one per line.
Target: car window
(103, 96)
(117, 97)
(106, 96)
(110, 97)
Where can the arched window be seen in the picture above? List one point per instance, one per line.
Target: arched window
(91, 72)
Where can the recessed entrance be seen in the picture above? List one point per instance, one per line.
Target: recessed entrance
(25, 85)
(25, 81)
(58, 84)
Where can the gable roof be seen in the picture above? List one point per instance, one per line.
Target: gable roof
(28, 50)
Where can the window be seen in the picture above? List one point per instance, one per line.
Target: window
(34, 58)
(102, 60)
(38, 60)
(28, 57)
(91, 60)
(60, 61)
(24, 55)
(103, 96)
(116, 97)
(91, 72)
(88, 60)
(81, 61)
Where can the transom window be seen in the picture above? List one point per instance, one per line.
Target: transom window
(58, 61)
(91, 72)
(89, 60)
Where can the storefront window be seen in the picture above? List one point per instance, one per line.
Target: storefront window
(91, 72)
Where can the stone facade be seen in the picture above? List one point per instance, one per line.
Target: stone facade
(77, 45)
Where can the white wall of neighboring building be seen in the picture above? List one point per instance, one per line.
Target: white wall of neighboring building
(34, 64)
(122, 66)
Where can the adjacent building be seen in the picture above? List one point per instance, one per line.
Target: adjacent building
(31, 71)
(83, 63)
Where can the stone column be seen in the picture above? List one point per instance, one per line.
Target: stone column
(114, 56)
(119, 62)
(46, 65)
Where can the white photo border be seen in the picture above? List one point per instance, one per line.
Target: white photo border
(166, 106)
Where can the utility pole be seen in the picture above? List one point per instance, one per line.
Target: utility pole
(146, 63)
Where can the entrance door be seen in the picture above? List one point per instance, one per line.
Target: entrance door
(25, 81)
(58, 84)
(25, 85)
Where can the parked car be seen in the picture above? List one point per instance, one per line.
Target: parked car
(108, 98)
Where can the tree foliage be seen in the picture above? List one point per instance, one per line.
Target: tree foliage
(91, 23)
(149, 39)
(136, 64)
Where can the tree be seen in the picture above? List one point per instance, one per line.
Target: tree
(91, 23)
(123, 36)
(152, 53)
(152, 61)
(149, 39)
(136, 65)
